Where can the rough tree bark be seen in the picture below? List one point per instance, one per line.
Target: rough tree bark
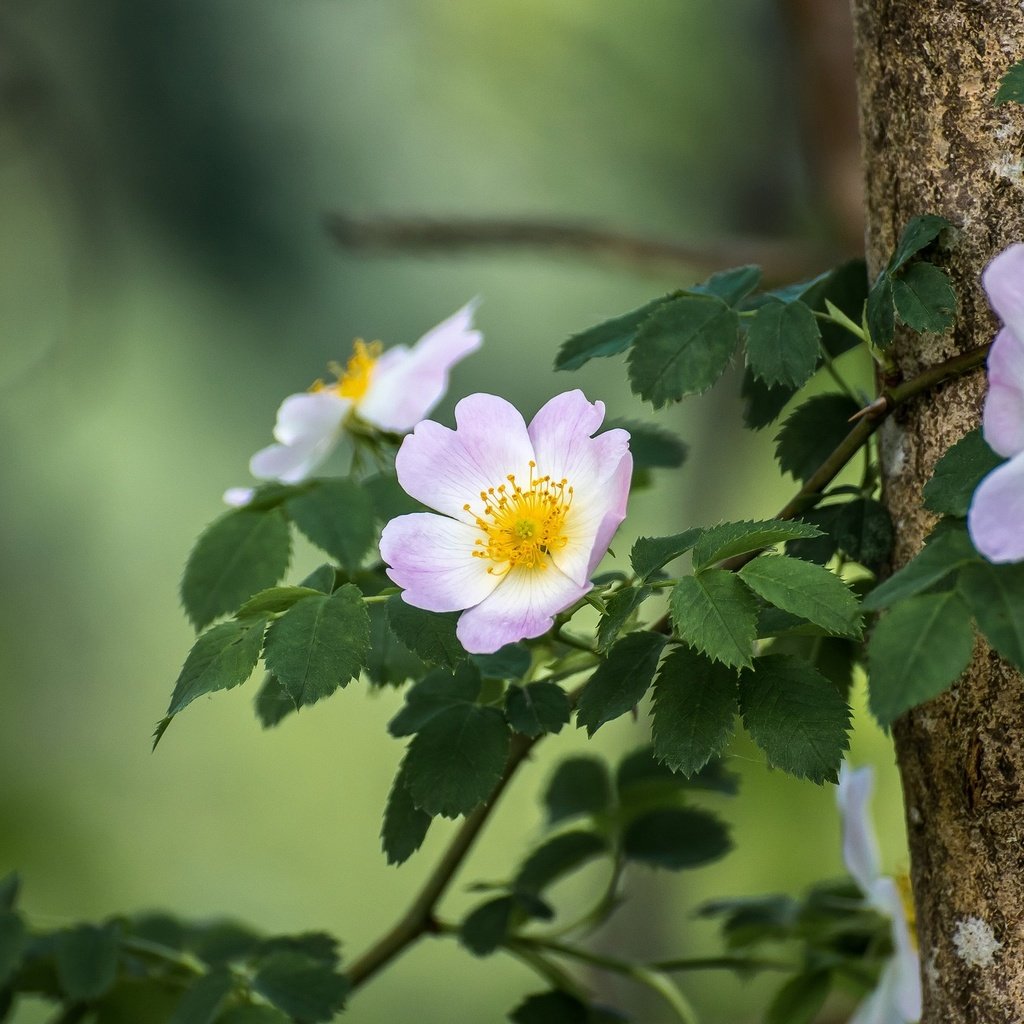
(933, 143)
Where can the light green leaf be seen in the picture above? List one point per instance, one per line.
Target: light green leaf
(431, 635)
(605, 339)
(958, 473)
(812, 432)
(537, 708)
(337, 515)
(783, 343)
(1011, 86)
(650, 554)
(621, 680)
(87, 960)
(579, 786)
(716, 613)
(676, 838)
(924, 298)
(729, 539)
(995, 595)
(274, 600)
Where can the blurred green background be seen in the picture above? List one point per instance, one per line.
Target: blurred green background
(165, 280)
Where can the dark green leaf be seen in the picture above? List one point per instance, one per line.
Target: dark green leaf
(716, 613)
(222, 658)
(863, 530)
(783, 343)
(486, 927)
(695, 701)
(319, 946)
(846, 287)
(917, 236)
(795, 715)
(322, 578)
(456, 760)
(551, 1008)
(807, 590)
(682, 348)
(274, 600)
(508, 662)
(817, 549)
(302, 988)
(753, 919)
(537, 708)
(319, 644)
(431, 635)
(1011, 86)
(958, 473)
(390, 662)
(924, 298)
(619, 610)
(762, 405)
(558, 857)
(650, 446)
(995, 595)
(388, 498)
(219, 942)
(800, 999)
(881, 311)
(621, 680)
(337, 516)
(243, 552)
(252, 1015)
(812, 432)
(642, 780)
(729, 539)
(273, 704)
(605, 339)
(579, 786)
(650, 554)
(13, 940)
(676, 838)
(87, 960)
(731, 286)
(10, 885)
(203, 1000)
(405, 825)
(435, 693)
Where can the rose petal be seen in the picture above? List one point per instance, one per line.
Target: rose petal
(1003, 418)
(1003, 280)
(997, 511)
(407, 383)
(880, 1006)
(238, 497)
(523, 605)
(431, 558)
(860, 846)
(903, 983)
(290, 464)
(308, 415)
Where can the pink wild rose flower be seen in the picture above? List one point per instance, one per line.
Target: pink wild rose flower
(997, 508)
(526, 513)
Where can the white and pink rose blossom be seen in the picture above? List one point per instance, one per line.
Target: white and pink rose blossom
(522, 514)
(997, 509)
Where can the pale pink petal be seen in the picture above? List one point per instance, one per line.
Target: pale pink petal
(238, 497)
(446, 469)
(312, 414)
(523, 605)
(1003, 280)
(617, 494)
(997, 512)
(879, 1007)
(431, 559)
(1003, 418)
(860, 846)
(902, 977)
(407, 384)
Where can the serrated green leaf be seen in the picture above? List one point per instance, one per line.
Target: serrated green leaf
(222, 658)
(729, 539)
(87, 960)
(13, 942)
(995, 596)
(958, 473)
(716, 613)
(863, 530)
(390, 662)
(456, 759)
(240, 554)
(812, 432)
(274, 600)
(783, 343)
(807, 590)
(924, 298)
(487, 926)
(323, 578)
(559, 856)
(916, 651)
(273, 704)
(650, 554)
(800, 999)
(605, 339)
(1011, 86)
(846, 287)
(338, 517)
(621, 680)
(650, 446)
(405, 825)
(509, 662)
(676, 838)
(203, 999)
(579, 786)
(388, 497)
(682, 348)
(304, 989)
(731, 286)
(881, 311)
(794, 714)
(762, 405)
(431, 635)
(537, 708)
(436, 692)
(639, 774)
(695, 702)
(818, 549)
(319, 946)
(319, 644)
(619, 609)
(919, 233)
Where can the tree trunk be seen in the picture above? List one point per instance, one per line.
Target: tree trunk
(934, 143)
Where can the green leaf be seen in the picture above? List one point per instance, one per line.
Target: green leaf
(917, 236)
(323, 578)
(881, 311)
(818, 549)
(716, 613)
(319, 644)
(995, 595)
(390, 662)
(273, 704)
(807, 590)
(682, 348)
(405, 825)
(537, 708)
(252, 1015)
(337, 515)
(456, 759)
(13, 943)
(762, 405)
(619, 610)
(204, 999)
(812, 432)
(640, 775)
(87, 960)
(241, 553)
(800, 999)
(558, 857)
(924, 298)
(917, 650)
(301, 987)
(554, 1007)
(846, 287)
(274, 601)
(863, 530)
(676, 838)
(487, 926)
(944, 553)
(431, 635)
(650, 446)
(580, 786)
(605, 339)
(783, 343)
(729, 539)
(794, 714)
(695, 701)
(222, 658)
(10, 885)
(958, 473)
(1011, 86)
(650, 554)
(621, 680)
(435, 693)
(731, 286)
(388, 497)
(509, 662)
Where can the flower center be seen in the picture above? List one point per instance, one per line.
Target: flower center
(354, 380)
(523, 525)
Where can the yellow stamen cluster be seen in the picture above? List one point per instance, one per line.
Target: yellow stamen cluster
(523, 525)
(354, 379)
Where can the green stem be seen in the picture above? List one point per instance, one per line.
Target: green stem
(147, 947)
(731, 963)
(598, 913)
(573, 641)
